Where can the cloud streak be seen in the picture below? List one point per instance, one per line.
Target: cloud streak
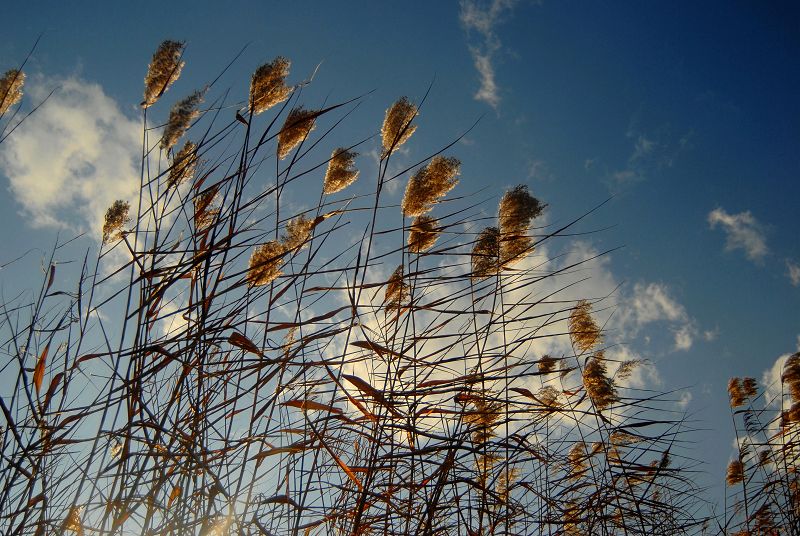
(77, 154)
(742, 231)
(483, 19)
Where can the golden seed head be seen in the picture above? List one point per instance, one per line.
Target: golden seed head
(791, 376)
(626, 368)
(486, 253)
(297, 232)
(397, 127)
(183, 165)
(423, 234)
(547, 364)
(750, 387)
(164, 70)
(583, 330)
(397, 290)
(11, 89)
(116, 217)
(180, 118)
(205, 208)
(598, 386)
(428, 185)
(73, 520)
(265, 263)
(268, 85)
(299, 123)
(341, 171)
(735, 473)
(576, 460)
(736, 393)
(517, 209)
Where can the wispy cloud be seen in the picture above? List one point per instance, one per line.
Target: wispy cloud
(76, 155)
(793, 272)
(651, 153)
(742, 231)
(483, 18)
(651, 303)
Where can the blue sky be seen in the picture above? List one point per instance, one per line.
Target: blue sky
(684, 113)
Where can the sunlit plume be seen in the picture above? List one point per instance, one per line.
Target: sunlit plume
(791, 376)
(116, 217)
(735, 473)
(298, 125)
(397, 127)
(486, 253)
(423, 234)
(265, 263)
(183, 165)
(298, 230)
(397, 290)
(341, 171)
(430, 184)
(268, 85)
(517, 209)
(598, 385)
(206, 208)
(180, 118)
(164, 69)
(11, 89)
(583, 330)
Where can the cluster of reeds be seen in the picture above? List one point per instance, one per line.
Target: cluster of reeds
(763, 480)
(249, 371)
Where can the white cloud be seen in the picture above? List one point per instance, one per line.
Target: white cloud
(653, 302)
(793, 272)
(684, 400)
(742, 231)
(74, 157)
(483, 19)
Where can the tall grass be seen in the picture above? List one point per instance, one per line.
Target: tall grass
(228, 364)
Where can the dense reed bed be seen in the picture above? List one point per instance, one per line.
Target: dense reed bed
(226, 364)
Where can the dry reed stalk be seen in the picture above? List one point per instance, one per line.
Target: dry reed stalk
(430, 184)
(11, 85)
(164, 69)
(298, 125)
(341, 171)
(268, 85)
(397, 127)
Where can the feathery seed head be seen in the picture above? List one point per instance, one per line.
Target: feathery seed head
(397, 127)
(116, 217)
(299, 123)
(164, 70)
(576, 460)
(735, 473)
(205, 209)
(547, 364)
(423, 234)
(486, 253)
(735, 392)
(583, 330)
(517, 209)
(341, 172)
(297, 232)
(265, 263)
(183, 165)
(791, 376)
(626, 368)
(598, 386)
(428, 185)
(180, 118)
(749, 387)
(11, 89)
(268, 85)
(397, 290)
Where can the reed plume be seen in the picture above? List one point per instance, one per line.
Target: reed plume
(547, 364)
(423, 234)
(164, 69)
(397, 290)
(183, 165)
(516, 211)
(750, 387)
(341, 171)
(268, 85)
(486, 253)
(735, 473)
(428, 185)
(180, 118)
(583, 330)
(116, 217)
(791, 376)
(299, 123)
(265, 263)
(11, 89)
(298, 230)
(598, 385)
(735, 393)
(205, 208)
(397, 127)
